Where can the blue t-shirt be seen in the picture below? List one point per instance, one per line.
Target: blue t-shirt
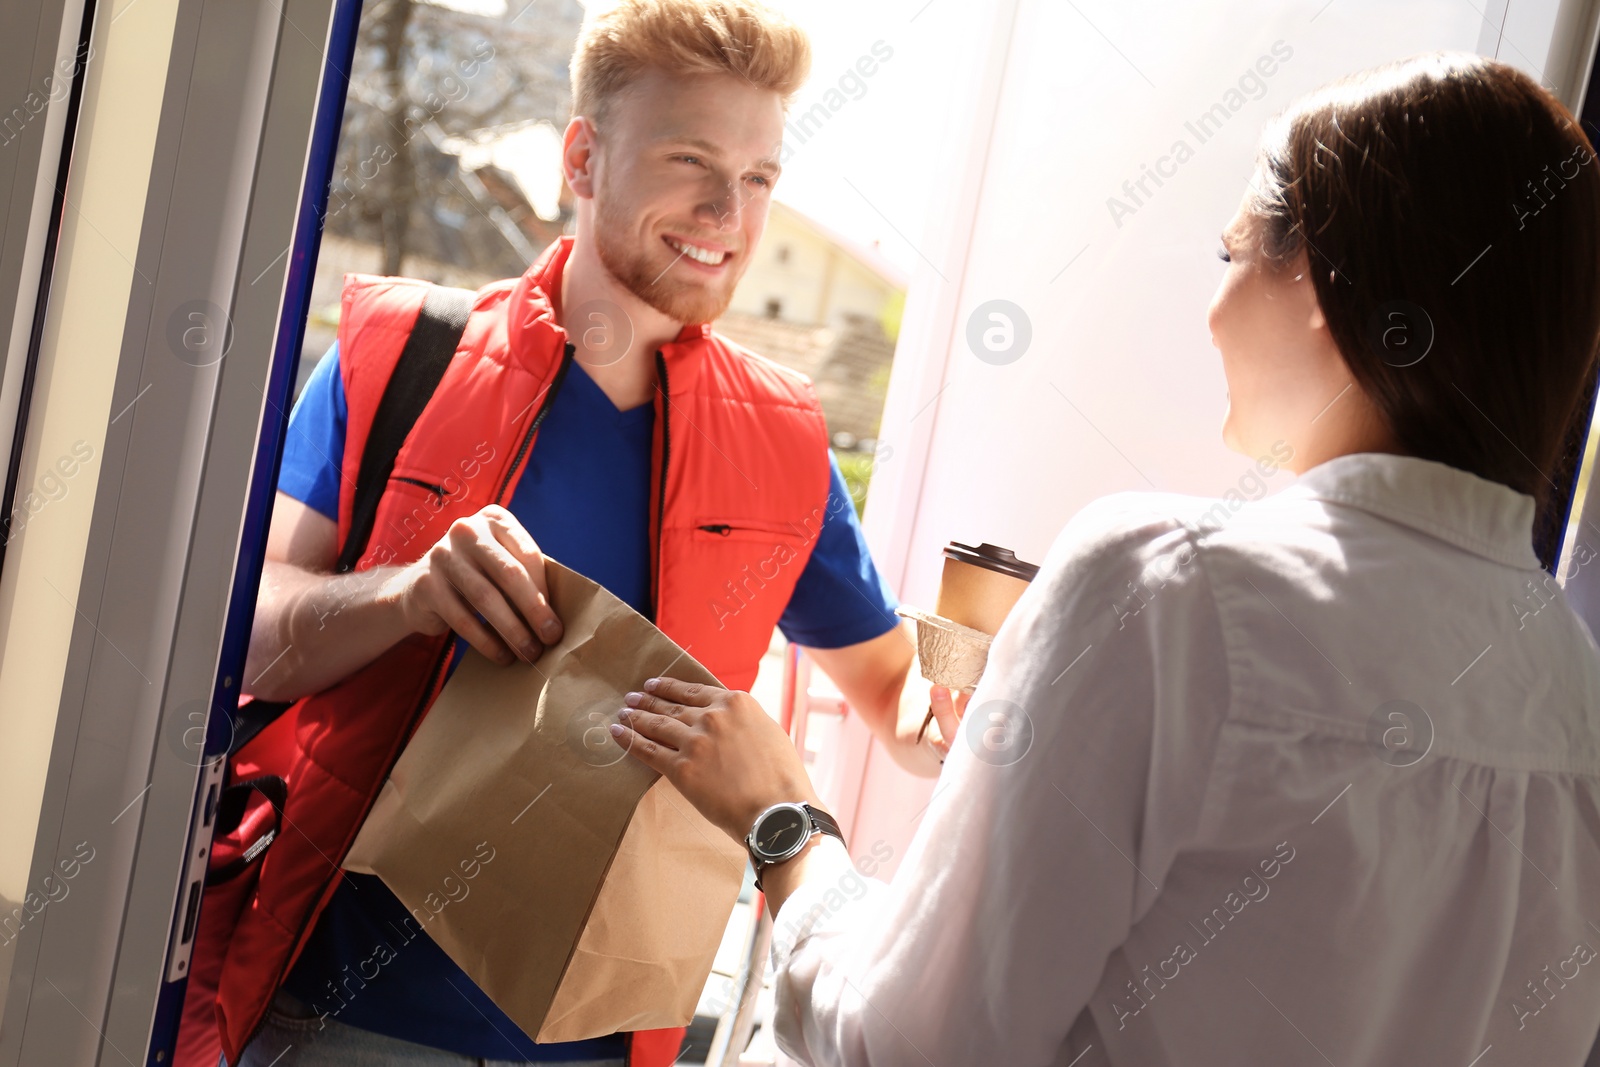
(585, 498)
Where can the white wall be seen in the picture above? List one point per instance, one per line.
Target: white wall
(1120, 388)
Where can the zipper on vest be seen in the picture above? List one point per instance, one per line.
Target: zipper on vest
(436, 490)
(661, 497)
(533, 427)
(781, 529)
(439, 663)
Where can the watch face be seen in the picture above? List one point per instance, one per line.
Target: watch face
(781, 831)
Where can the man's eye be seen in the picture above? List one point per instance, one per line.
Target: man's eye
(761, 180)
(690, 159)
(1222, 254)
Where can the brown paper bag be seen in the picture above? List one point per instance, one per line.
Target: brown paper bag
(575, 886)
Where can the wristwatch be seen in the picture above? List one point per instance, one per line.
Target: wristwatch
(780, 832)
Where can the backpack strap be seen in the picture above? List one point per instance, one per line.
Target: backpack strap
(423, 361)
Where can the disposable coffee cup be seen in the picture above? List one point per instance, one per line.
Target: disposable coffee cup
(977, 590)
(980, 585)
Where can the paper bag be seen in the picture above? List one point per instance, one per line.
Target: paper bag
(575, 886)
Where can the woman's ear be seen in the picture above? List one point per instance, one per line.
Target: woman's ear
(1300, 278)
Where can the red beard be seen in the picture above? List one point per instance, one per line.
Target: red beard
(650, 279)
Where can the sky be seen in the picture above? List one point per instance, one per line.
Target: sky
(864, 173)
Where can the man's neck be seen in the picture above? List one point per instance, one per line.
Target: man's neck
(597, 312)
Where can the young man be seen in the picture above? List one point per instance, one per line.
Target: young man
(590, 415)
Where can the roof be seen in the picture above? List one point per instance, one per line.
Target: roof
(868, 257)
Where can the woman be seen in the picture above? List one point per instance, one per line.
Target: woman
(1329, 791)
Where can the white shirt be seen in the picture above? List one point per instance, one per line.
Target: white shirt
(1225, 843)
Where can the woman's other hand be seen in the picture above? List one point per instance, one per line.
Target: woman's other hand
(719, 748)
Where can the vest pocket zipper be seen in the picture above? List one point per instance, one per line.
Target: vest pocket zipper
(436, 490)
(754, 529)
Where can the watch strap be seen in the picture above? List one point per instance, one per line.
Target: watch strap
(824, 822)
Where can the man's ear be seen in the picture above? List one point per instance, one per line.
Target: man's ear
(578, 149)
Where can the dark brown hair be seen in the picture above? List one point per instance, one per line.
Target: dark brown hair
(1449, 208)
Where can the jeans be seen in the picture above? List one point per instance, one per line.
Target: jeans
(293, 1036)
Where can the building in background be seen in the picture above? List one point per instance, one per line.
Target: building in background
(807, 274)
(818, 302)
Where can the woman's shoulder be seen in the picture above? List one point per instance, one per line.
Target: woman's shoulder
(1129, 535)
(1122, 522)
(1114, 539)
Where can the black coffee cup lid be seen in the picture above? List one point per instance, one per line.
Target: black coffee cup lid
(992, 557)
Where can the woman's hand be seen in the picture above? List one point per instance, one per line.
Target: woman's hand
(719, 748)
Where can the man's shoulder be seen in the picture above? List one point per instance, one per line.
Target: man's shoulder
(369, 286)
(380, 311)
(761, 370)
(409, 292)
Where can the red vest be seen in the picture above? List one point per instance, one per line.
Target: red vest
(740, 482)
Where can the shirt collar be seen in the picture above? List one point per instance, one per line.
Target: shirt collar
(1484, 517)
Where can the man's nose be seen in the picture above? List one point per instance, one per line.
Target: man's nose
(724, 208)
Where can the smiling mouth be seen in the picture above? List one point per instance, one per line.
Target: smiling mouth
(708, 257)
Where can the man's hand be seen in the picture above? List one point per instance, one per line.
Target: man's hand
(947, 708)
(726, 755)
(314, 628)
(484, 580)
(880, 681)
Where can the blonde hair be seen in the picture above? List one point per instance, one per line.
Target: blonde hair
(740, 37)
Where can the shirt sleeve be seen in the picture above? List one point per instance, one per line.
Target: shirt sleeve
(313, 449)
(840, 599)
(1053, 826)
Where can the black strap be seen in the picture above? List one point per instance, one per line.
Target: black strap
(824, 821)
(422, 363)
(230, 812)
